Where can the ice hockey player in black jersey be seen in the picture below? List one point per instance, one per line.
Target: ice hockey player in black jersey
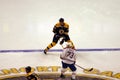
(60, 30)
(30, 74)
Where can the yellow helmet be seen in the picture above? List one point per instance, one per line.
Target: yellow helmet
(69, 44)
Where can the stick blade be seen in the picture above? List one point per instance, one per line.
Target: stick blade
(91, 69)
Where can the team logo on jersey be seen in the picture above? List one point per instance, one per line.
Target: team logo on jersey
(61, 31)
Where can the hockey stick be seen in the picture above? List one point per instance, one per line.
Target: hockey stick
(84, 68)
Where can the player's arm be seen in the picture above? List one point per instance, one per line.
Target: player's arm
(64, 58)
(54, 29)
(66, 29)
(74, 58)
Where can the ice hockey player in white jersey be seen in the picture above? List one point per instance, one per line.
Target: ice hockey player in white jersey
(68, 58)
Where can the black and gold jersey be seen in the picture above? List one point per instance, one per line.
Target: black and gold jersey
(61, 29)
(32, 76)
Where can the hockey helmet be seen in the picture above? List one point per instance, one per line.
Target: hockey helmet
(28, 69)
(61, 20)
(69, 44)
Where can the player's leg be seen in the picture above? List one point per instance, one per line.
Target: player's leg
(73, 75)
(54, 42)
(49, 46)
(63, 70)
(73, 69)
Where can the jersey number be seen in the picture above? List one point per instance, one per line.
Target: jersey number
(70, 54)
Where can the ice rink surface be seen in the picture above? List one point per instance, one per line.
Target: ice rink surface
(28, 24)
(102, 61)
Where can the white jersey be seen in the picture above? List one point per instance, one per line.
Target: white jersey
(68, 53)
